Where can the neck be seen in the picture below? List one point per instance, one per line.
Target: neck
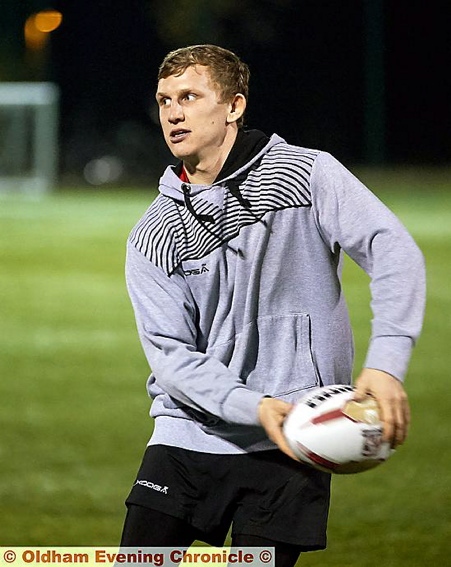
(205, 169)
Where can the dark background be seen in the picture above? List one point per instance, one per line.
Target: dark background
(367, 80)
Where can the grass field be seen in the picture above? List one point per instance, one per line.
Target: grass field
(74, 413)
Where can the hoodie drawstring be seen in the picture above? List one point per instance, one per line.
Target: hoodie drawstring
(201, 218)
(234, 190)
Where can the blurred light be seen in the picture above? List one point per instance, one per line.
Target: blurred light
(38, 26)
(106, 169)
(48, 20)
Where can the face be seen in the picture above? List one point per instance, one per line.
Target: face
(196, 125)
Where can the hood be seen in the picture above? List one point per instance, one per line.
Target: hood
(171, 185)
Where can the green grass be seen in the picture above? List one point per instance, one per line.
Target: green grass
(74, 410)
(74, 413)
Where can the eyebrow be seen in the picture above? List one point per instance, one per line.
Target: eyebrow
(159, 95)
(181, 93)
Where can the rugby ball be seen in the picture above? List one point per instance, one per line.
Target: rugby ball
(330, 431)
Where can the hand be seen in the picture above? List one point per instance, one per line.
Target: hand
(272, 413)
(392, 398)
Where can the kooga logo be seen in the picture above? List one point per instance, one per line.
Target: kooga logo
(148, 484)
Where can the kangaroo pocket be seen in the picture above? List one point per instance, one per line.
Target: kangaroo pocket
(273, 355)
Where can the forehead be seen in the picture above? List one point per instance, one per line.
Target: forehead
(194, 77)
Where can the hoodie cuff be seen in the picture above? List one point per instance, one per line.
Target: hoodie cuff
(390, 354)
(241, 406)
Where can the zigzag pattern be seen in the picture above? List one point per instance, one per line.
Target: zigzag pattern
(168, 234)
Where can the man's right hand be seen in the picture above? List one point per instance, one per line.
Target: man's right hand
(272, 414)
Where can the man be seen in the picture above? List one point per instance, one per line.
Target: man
(234, 275)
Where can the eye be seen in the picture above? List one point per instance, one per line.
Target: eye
(190, 97)
(164, 101)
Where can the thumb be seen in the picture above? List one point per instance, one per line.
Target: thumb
(360, 391)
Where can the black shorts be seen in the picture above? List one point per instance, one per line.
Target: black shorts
(264, 494)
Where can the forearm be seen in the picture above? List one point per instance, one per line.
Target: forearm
(166, 320)
(352, 218)
(201, 382)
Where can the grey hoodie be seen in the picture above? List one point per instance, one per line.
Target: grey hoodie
(237, 294)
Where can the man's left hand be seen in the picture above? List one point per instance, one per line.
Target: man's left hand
(393, 402)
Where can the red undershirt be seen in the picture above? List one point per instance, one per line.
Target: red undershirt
(183, 175)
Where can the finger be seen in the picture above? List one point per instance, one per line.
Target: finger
(389, 422)
(403, 422)
(287, 450)
(274, 430)
(273, 424)
(360, 393)
(395, 421)
(389, 432)
(407, 413)
(283, 445)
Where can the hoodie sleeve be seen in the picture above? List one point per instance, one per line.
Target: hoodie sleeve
(352, 218)
(166, 320)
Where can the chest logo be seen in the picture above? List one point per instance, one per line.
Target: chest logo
(197, 271)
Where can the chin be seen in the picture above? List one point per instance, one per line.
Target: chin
(180, 154)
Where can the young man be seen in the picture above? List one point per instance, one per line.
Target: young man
(234, 275)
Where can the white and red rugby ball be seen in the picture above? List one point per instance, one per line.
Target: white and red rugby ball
(330, 431)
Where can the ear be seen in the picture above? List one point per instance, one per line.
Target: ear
(236, 108)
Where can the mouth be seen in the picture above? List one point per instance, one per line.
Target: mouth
(178, 135)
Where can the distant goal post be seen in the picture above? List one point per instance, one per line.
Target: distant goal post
(28, 137)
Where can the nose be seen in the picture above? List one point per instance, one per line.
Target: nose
(176, 113)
